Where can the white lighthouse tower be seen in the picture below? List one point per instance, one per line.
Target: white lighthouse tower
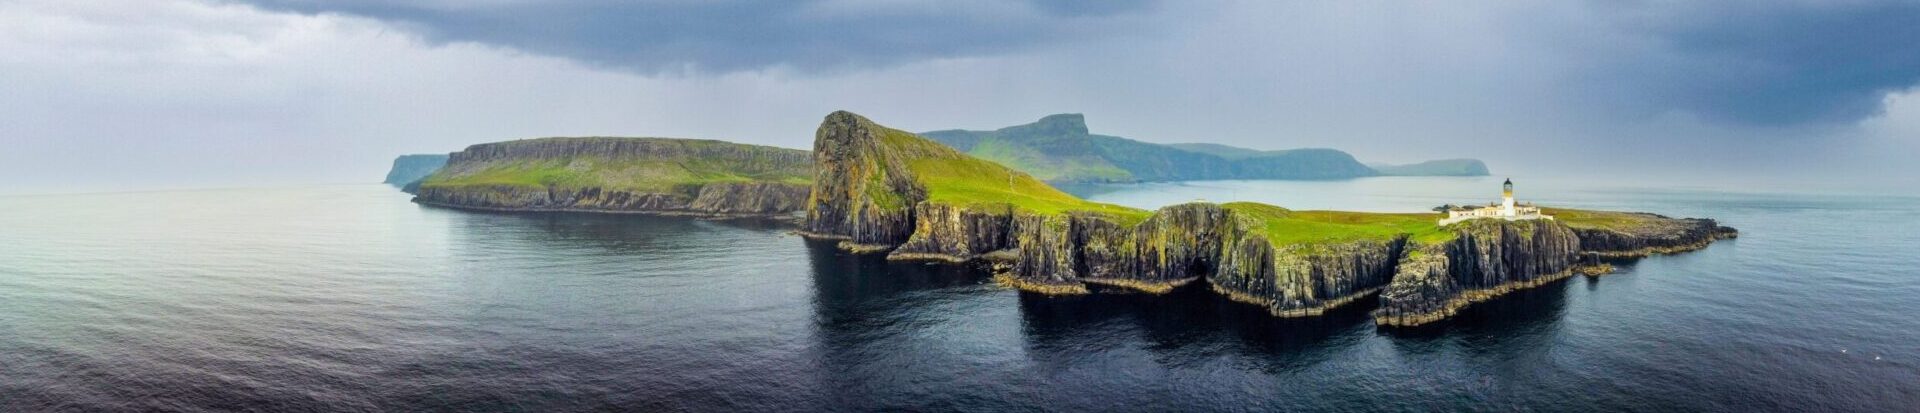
(1506, 209)
(1506, 199)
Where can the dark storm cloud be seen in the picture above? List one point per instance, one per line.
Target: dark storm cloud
(650, 36)
(1768, 63)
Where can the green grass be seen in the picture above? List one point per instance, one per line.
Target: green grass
(1579, 218)
(1283, 226)
(702, 162)
(957, 179)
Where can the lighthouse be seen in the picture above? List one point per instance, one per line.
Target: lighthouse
(1506, 209)
(1506, 199)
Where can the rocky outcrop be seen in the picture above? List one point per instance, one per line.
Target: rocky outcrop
(862, 193)
(1488, 258)
(1176, 245)
(623, 175)
(1302, 280)
(1657, 235)
(955, 234)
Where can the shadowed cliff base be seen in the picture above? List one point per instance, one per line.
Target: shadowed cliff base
(878, 189)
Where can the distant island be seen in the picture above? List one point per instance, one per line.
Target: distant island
(879, 190)
(1060, 149)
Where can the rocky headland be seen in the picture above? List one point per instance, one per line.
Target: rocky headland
(623, 175)
(881, 190)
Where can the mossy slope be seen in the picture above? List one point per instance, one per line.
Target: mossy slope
(653, 175)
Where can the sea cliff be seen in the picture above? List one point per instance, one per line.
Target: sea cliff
(623, 175)
(880, 190)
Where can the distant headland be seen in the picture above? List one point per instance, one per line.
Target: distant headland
(1060, 149)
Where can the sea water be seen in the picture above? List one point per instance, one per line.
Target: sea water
(352, 298)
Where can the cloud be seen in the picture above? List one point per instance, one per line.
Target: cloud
(1767, 63)
(1775, 63)
(105, 94)
(730, 35)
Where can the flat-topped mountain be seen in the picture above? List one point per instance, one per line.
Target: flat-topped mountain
(1060, 148)
(879, 189)
(646, 175)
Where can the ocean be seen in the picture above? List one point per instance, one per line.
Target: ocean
(351, 298)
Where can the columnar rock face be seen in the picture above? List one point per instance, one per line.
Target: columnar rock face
(884, 190)
(1179, 242)
(952, 233)
(626, 175)
(1487, 259)
(1295, 280)
(1175, 245)
(1423, 288)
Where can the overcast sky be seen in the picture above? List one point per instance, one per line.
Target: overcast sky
(144, 94)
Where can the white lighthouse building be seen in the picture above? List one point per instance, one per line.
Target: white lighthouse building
(1506, 209)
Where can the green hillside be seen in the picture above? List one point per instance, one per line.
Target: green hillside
(657, 165)
(1059, 148)
(954, 178)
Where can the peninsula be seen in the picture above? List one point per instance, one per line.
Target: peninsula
(882, 190)
(623, 175)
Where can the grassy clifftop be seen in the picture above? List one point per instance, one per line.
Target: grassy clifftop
(643, 175)
(633, 164)
(1282, 226)
(951, 177)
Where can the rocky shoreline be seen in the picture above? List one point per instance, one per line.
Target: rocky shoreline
(712, 200)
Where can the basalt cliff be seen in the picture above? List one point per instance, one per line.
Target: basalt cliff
(881, 190)
(623, 175)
